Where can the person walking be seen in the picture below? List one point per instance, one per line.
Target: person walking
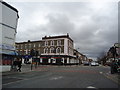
(14, 65)
(19, 65)
(113, 67)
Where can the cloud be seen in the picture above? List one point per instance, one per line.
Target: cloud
(93, 26)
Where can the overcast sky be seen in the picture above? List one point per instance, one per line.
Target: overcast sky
(92, 25)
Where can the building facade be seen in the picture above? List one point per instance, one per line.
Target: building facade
(8, 25)
(57, 50)
(114, 49)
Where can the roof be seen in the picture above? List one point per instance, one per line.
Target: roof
(54, 37)
(8, 5)
(28, 42)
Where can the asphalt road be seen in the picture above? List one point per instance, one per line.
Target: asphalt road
(61, 77)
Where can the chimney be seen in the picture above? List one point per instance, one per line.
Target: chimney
(67, 34)
(28, 40)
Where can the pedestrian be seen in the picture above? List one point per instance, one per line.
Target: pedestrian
(19, 65)
(15, 64)
(113, 67)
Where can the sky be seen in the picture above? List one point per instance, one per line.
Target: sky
(92, 25)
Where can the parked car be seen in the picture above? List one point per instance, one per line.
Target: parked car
(94, 64)
(86, 63)
(97, 64)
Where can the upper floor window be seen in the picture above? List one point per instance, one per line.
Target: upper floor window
(29, 45)
(52, 50)
(52, 43)
(58, 50)
(25, 46)
(46, 50)
(33, 45)
(17, 47)
(59, 42)
(46, 43)
(21, 46)
(39, 45)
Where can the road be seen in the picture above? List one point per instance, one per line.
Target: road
(61, 77)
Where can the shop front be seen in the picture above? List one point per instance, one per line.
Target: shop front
(57, 60)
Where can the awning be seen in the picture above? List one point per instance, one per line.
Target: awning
(9, 53)
(13, 53)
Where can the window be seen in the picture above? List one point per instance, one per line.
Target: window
(39, 45)
(46, 50)
(52, 43)
(21, 46)
(33, 45)
(52, 50)
(17, 47)
(59, 42)
(46, 43)
(28, 52)
(29, 45)
(25, 46)
(58, 50)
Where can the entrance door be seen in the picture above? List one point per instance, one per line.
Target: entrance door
(59, 61)
(45, 61)
(65, 61)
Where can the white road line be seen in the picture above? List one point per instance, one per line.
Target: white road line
(56, 78)
(91, 87)
(101, 72)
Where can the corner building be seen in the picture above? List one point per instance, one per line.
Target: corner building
(52, 50)
(57, 50)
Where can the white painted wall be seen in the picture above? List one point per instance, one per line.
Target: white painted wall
(8, 36)
(40, 60)
(66, 46)
(5, 68)
(10, 18)
(0, 12)
(67, 60)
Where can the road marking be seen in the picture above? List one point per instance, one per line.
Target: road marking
(55, 78)
(101, 72)
(26, 79)
(91, 87)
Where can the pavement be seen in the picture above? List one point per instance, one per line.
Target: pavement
(114, 77)
(27, 68)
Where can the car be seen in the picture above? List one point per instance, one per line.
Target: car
(94, 64)
(97, 64)
(86, 63)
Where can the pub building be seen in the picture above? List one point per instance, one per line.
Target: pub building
(51, 50)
